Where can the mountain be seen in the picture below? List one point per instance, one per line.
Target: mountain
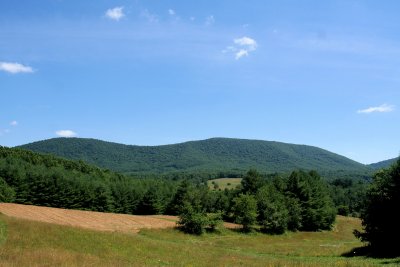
(383, 164)
(215, 154)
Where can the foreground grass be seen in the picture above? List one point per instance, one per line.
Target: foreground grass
(40, 244)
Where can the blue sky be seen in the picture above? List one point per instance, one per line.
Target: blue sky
(321, 73)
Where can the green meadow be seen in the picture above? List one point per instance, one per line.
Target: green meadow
(28, 243)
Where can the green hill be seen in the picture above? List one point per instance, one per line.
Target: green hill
(216, 154)
(383, 164)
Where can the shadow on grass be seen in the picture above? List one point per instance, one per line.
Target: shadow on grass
(370, 252)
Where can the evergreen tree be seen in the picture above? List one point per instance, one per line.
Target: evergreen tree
(151, 203)
(182, 195)
(379, 218)
(7, 194)
(316, 206)
(251, 182)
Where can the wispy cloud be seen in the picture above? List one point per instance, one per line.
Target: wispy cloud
(381, 108)
(247, 42)
(171, 12)
(152, 18)
(14, 68)
(241, 53)
(66, 133)
(115, 13)
(4, 131)
(14, 123)
(242, 47)
(210, 20)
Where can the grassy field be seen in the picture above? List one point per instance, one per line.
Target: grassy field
(29, 243)
(223, 183)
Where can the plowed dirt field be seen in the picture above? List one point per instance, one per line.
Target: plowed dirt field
(99, 221)
(88, 219)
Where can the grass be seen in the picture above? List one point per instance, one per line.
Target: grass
(222, 183)
(31, 243)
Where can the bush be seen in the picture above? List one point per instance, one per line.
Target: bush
(273, 215)
(245, 211)
(214, 221)
(192, 221)
(343, 210)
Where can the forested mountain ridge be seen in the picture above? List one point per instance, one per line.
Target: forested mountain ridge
(383, 164)
(215, 154)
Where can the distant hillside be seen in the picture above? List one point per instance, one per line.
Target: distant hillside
(383, 164)
(221, 154)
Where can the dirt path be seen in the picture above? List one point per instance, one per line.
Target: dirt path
(88, 219)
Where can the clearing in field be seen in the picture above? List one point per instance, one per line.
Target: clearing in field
(222, 183)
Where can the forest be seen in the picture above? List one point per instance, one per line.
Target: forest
(210, 158)
(32, 178)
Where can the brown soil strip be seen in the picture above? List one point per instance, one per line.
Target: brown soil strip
(88, 219)
(99, 221)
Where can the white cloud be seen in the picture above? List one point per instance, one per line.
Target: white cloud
(171, 12)
(152, 18)
(115, 13)
(66, 133)
(381, 108)
(249, 43)
(14, 68)
(14, 123)
(241, 53)
(4, 131)
(242, 47)
(210, 20)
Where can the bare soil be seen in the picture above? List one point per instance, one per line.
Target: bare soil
(99, 221)
(88, 219)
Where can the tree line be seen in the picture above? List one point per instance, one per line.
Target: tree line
(299, 201)
(275, 204)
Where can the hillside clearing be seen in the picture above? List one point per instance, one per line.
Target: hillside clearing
(222, 183)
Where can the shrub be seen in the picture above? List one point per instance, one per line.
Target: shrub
(192, 221)
(245, 211)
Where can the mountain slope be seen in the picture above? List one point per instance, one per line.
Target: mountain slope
(383, 164)
(220, 154)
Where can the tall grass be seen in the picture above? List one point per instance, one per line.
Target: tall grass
(39, 244)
